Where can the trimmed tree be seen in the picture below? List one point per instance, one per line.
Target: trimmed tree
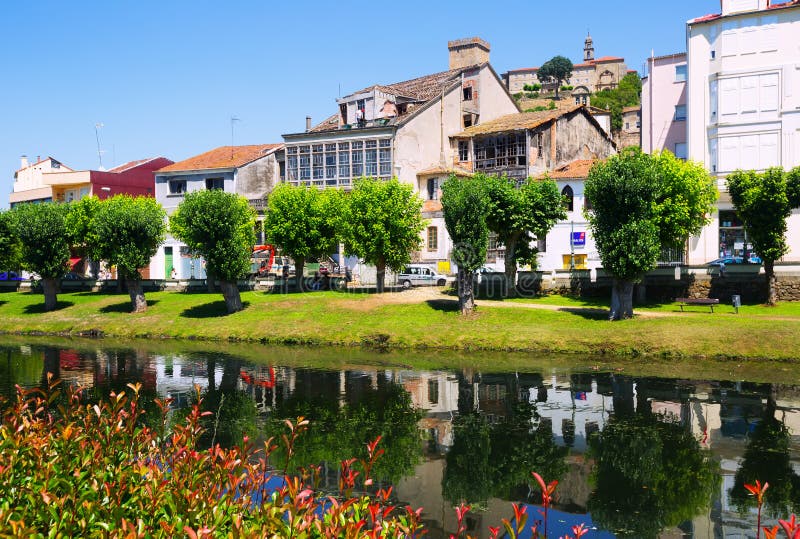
(220, 227)
(79, 219)
(641, 204)
(127, 232)
(384, 224)
(464, 203)
(45, 237)
(519, 215)
(763, 202)
(555, 70)
(304, 222)
(10, 248)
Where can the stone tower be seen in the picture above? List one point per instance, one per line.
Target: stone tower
(588, 49)
(467, 52)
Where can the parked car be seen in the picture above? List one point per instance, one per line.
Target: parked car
(726, 260)
(10, 276)
(420, 275)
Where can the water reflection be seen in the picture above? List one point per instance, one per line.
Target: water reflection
(642, 457)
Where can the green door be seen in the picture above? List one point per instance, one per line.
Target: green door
(168, 262)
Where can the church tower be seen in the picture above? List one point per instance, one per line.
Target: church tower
(588, 49)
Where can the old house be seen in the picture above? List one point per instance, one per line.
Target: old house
(251, 171)
(532, 144)
(402, 130)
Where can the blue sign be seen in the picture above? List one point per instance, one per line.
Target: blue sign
(579, 239)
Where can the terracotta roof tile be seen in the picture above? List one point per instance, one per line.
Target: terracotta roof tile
(573, 169)
(129, 165)
(223, 157)
(420, 89)
(433, 171)
(516, 122)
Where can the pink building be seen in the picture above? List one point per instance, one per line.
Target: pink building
(664, 105)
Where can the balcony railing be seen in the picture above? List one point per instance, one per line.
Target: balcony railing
(258, 204)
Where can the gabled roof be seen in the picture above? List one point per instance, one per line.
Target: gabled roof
(223, 157)
(39, 162)
(131, 164)
(574, 169)
(420, 90)
(516, 122)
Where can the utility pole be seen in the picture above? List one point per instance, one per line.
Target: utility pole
(97, 128)
(233, 120)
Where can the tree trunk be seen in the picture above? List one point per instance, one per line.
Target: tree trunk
(230, 291)
(380, 274)
(772, 283)
(299, 265)
(466, 297)
(621, 300)
(135, 291)
(210, 281)
(50, 290)
(511, 266)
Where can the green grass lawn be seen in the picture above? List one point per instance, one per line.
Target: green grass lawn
(350, 319)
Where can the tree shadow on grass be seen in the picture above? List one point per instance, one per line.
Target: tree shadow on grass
(3, 302)
(444, 305)
(589, 313)
(215, 309)
(38, 308)
(124, 307)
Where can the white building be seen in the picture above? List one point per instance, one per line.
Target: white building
(251, 171)
(743, 107)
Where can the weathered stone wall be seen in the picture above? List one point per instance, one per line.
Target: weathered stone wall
(661, 285)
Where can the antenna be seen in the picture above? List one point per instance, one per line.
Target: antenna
(233, 120)
(97, 127)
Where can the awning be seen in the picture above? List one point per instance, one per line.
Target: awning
(73, 261)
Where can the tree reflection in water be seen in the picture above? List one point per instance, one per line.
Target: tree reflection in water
(496, 460)
(650, 472)
(767, 459)
(342, 424)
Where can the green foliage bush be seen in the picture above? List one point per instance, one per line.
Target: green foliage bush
(107, 474)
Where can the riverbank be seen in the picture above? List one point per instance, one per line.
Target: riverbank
(420, 319)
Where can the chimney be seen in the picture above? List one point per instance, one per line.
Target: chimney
(468, 52)
(23, 162)
(308, 124)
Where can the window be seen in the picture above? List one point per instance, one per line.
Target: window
(215, 183)
(467, 120)
(463, 150)
(569, 198)
(468, 93)
(433, 238)
(177, 187)
(627, 126)
(680, 73)
(680, 150)
(680, 113)
(433, 391)
(433, 189)
(541, 244)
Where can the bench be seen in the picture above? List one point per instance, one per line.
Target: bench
(709, 302)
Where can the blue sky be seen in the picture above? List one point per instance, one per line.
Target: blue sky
(165, 77)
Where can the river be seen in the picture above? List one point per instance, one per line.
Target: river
(635, 456)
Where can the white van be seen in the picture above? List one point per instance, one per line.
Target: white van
(420, 275)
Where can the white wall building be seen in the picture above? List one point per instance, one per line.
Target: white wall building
(743, 107)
